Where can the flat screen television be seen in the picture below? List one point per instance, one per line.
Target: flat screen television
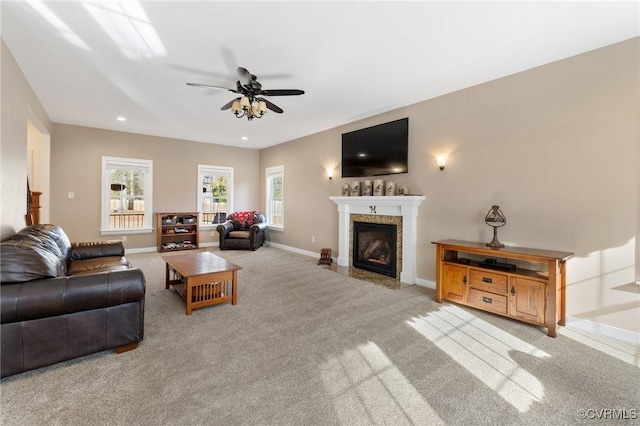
(376, 150)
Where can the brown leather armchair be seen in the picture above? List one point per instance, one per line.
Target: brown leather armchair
(243, 231)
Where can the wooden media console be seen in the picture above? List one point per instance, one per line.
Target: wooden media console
(516, 282)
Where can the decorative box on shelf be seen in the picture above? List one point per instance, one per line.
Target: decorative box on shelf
(187, 220)
(169, 220)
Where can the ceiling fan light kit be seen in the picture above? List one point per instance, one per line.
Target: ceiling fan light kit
(250, 108)
(249, 105)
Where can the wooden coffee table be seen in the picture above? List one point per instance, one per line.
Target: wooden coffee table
(202, 279)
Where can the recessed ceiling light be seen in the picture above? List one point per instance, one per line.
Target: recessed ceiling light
(121, 118)
(244, 138)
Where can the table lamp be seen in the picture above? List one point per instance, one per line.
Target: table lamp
(496, 219)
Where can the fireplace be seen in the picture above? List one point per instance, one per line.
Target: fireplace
(379, 209)
(374, 247)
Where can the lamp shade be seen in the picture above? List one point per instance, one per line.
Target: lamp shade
(495, 217)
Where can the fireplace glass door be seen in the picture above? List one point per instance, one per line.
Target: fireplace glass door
(375, 247)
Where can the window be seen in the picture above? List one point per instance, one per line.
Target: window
(215, 193)
(127, 188)
(275, 196)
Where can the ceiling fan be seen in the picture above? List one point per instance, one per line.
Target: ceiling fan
(250, 104)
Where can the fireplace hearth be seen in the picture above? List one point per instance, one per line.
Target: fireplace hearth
(374, 247)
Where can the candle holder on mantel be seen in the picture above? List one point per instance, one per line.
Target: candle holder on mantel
(495, 218)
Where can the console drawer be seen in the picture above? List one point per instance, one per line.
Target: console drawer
(488, 301)
(489, 281)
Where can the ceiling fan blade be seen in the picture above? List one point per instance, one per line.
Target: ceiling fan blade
(211, 87)
(273, 107)
(282, 92)
(244, 77)
(228, 104)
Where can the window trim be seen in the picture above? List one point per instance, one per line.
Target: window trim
(271, 172)
(214, 169)
(111, 162)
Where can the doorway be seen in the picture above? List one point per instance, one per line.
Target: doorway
(38, 166)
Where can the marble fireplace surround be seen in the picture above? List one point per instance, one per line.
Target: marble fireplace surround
(377, 210)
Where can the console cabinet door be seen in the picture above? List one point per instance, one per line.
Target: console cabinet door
(526, 299)
(454, 282)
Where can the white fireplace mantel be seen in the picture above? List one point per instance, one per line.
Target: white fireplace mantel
(405, 206)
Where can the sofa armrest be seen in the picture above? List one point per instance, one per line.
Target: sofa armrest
(91, 250)
(223, 231)
(225, 228)
(258, 227)
(65, 295)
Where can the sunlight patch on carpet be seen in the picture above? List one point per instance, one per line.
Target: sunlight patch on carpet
(484, 351)
(365, 384)
(624, 351)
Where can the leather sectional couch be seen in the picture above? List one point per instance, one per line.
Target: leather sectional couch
(60, 301)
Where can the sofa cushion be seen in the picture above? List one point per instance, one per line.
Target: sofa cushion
(26, 260)
(239, 234)
(51, 231)
(244, 219)
(98, 264)
(43, 241)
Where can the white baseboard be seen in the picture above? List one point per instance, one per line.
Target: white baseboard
(604, 329)
(141, 250)
(211, 244)
(152, 249)
(426, 283)
(294, 249)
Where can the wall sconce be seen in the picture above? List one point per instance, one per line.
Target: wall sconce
(441, 161)
(330, 173)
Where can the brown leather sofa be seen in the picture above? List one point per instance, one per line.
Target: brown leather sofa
(243, 231)
(60, 301)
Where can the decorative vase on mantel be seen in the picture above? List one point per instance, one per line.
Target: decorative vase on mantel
(367, 187)
(378, 187)
(345, 189)
(356, 188)
(391, 188)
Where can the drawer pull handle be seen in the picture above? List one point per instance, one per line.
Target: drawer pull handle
(464, 280)
(487, 280)
(487, 300)
(513, 291)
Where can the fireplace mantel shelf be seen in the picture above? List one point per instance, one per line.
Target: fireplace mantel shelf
(404, 205)
(364, 199)
(382, 200)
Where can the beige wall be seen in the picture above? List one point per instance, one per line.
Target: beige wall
(556, 147)
(76, 158)
(19, 106)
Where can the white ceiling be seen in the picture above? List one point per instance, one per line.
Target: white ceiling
(354, 59)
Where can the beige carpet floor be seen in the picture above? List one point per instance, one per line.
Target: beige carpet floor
(308, 346)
